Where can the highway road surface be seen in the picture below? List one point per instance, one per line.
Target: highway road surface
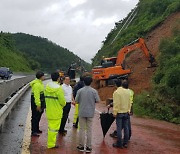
(148, 136)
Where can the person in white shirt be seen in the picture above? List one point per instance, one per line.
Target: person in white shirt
(68, 93)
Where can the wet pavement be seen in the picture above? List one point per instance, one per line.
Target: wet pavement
(69, 142)
(12, 78)
(148, 136)
(12, 134)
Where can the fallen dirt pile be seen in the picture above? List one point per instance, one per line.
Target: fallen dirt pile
(141, 76)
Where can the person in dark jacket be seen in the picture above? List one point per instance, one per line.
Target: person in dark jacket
(78, 86)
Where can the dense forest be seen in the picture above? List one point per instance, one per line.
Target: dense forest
(148, 15)
(10, 56)
(26, 53)
(48, 55)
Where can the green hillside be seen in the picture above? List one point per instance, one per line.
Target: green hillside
(150, 13)
(163, 100)
(10, 57)
(49, 55)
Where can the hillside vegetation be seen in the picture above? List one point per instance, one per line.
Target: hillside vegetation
(150, 13)
(48, 55)
(10, 57)
(156, 21)
(24, 53)
(163, 101)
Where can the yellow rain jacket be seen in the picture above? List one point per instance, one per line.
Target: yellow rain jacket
(131, 99)
(37, 89)
(131, 95)
(55, 101)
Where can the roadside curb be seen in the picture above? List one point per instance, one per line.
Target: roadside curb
(27, 135)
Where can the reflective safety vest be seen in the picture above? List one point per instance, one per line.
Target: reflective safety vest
(37, 89)
(55, 100)
(131, 95)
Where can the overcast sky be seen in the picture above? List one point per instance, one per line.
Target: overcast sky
(78, 25)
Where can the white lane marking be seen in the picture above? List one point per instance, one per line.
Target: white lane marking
(27, 135)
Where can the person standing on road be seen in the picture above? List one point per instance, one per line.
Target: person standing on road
(68, 93)
(78, 86)
(125, 85)
(86, 98)
(55, 102)
(37, 103)
(121, 108)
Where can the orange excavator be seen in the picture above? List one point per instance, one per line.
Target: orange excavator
(113, 68)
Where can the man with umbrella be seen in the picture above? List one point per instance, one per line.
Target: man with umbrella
(121, 108)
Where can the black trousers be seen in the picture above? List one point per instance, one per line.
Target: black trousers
(36, 115)
(66, 111)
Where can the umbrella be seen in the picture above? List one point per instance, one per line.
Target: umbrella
(106, 121)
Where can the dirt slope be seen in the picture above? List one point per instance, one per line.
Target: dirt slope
(141, 76)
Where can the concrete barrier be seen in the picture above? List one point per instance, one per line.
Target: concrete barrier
(22, 86)
(8, 87)
(6, 109)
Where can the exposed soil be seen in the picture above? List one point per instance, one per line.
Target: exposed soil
(141, 76)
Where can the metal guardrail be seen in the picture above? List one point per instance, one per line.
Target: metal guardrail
(18, 86)
(6, 109)
(8, 87)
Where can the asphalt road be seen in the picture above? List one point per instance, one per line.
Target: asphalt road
(12, 134)
(12, 78)
(148, 136)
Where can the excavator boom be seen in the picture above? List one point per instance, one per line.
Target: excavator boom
(137, 44)
(111, 69)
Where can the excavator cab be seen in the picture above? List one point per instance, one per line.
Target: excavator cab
(109, 62)
(113, 67)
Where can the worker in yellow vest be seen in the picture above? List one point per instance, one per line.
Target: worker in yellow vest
(55, 101)
(37, 103)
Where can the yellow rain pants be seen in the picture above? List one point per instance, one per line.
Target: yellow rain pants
(76, 113)
(53, 127)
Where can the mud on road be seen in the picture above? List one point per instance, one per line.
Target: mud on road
(149, 137)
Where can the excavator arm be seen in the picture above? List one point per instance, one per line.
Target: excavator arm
(108, 72)
(137, 44)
